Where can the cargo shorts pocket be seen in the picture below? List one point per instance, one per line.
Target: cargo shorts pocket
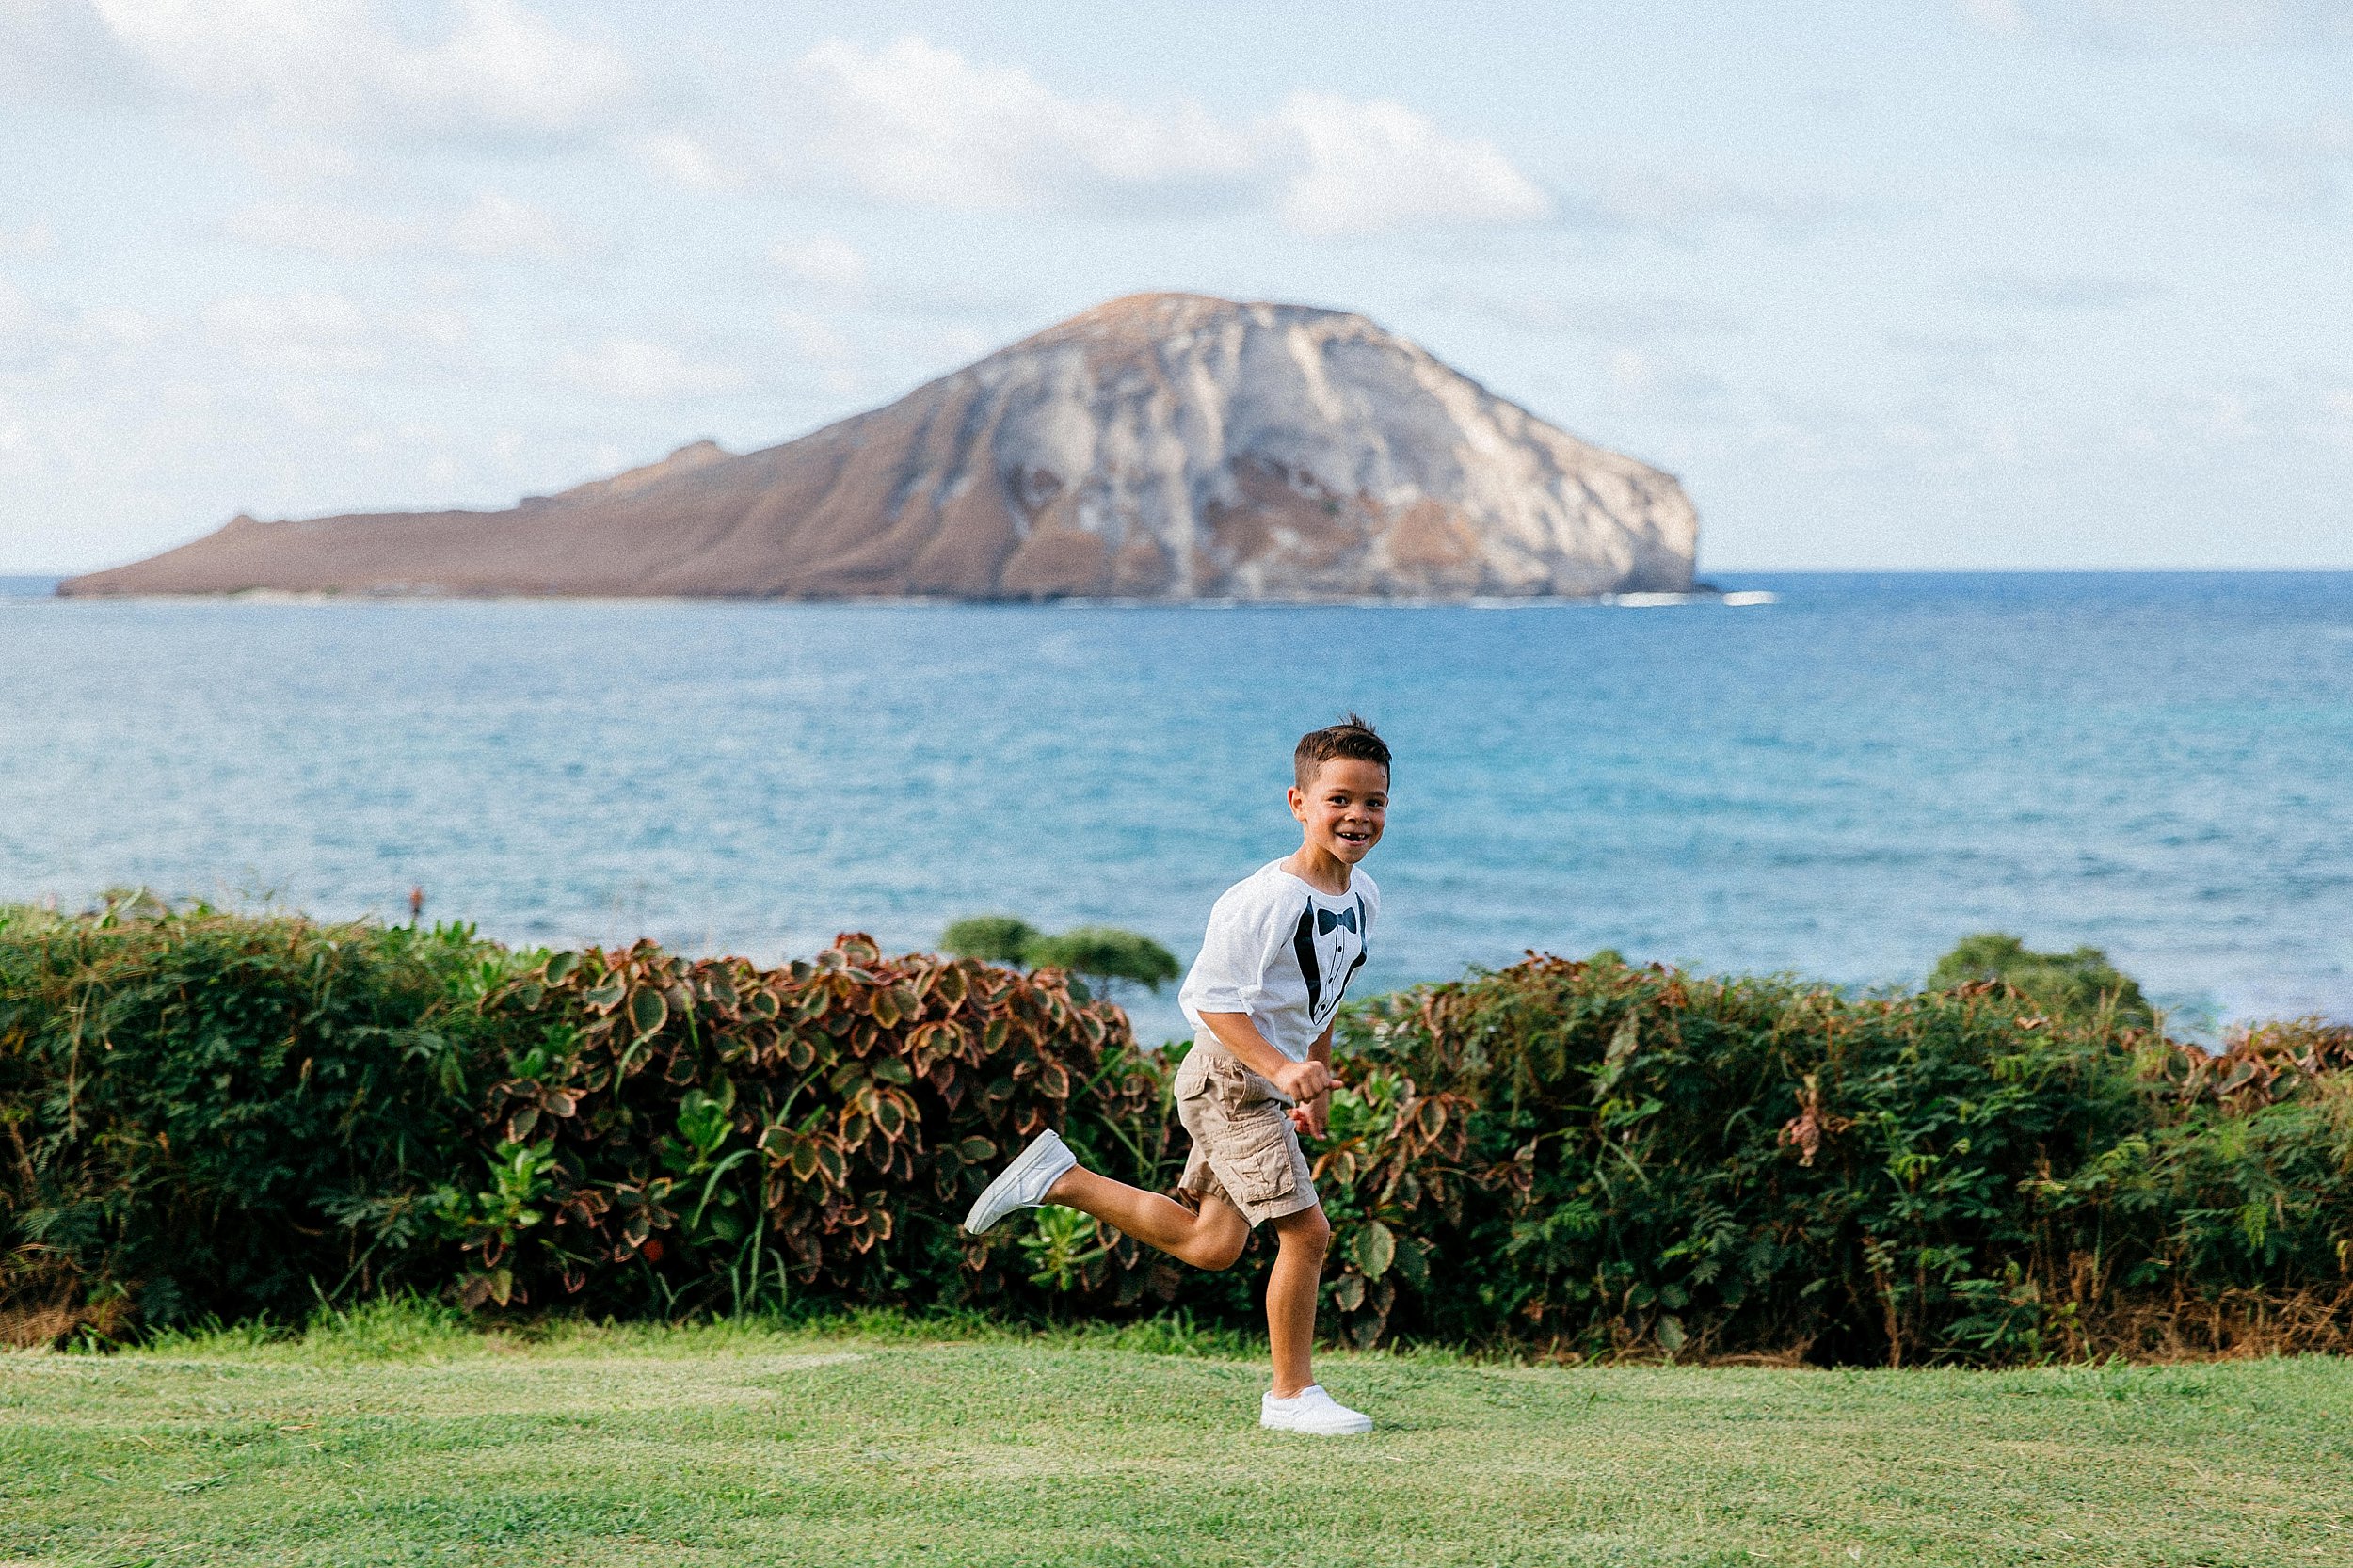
(1259, 1166)
(1237, 1088)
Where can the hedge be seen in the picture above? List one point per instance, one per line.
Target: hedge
(220, 1115)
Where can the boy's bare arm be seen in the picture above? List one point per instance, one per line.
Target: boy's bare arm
(1302, 1081)
(1314, 1117)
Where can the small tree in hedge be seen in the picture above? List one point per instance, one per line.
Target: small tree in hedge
(1101, 955)
(1104, 953)
(990, 938)
(2076, 986)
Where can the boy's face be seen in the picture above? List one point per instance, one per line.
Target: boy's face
(1344, 808)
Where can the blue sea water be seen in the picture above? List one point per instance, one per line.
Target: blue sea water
(1840, 783)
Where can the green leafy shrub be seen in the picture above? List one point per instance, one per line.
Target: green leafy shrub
(1748, 1166)
(1105, 952)
(2077, 987)
(704, 1134)
(208, 1114)
(204, 1115)
(2232, 1213)
(991, 938)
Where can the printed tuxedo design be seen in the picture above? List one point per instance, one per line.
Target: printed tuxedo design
(1330, 946)
(1283, 952)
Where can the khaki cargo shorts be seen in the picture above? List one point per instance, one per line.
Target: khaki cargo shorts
(1244, 1148)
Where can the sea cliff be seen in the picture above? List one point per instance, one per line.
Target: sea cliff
(1162, 446)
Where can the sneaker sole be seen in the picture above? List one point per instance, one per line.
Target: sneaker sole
(1329, 1432)
(1024, 1162)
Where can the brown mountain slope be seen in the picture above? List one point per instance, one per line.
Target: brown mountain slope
(1163, 445)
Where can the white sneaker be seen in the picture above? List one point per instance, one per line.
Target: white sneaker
(1022, 1184)
(1312, 1410)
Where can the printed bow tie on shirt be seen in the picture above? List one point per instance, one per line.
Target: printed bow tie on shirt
(1327, 919)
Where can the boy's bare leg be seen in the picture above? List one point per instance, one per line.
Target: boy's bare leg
(1210, 1240)
(1290, 1297)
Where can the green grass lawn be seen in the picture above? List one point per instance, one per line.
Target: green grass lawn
(400, 1439)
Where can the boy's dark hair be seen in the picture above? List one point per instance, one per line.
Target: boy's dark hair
(1350, 737)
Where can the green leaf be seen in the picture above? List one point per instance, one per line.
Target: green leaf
(560, 966)
(1375, 1249)
(1670, 1336)
(647, 1012)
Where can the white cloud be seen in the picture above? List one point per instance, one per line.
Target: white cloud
(639, 370)
(510, 64)
(502, 68)
(56, 49)
(2335, 424)
(17, 315)
(51, 336)
(36, 239)
(318, 334)
(2167, 22)
(826, 262)
(2066, 293)
(688, 161)
(1682, 203)
(324, 229)
(1380, 165)
(311, 333)
(917, 123)
(1631, 372)
(2005, 17)
(126, 328)
(1630, 319)
(2317, 139)
(491, 227)
(441, 325)
(2218, 21)
(819, 343)
(495, 226)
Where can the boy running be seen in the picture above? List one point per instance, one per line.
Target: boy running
(1281, 947)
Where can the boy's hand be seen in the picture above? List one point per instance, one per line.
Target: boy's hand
(1304, 1080)
(1308, 1084)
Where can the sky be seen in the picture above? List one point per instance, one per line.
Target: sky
(1909, 285)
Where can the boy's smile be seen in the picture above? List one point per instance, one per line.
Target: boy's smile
(1343, 813)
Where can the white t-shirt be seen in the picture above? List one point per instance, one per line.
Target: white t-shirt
(1283, 952)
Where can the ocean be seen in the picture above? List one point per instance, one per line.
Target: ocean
(1839, 783)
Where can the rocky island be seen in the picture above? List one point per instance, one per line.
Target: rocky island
(1162, 446)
